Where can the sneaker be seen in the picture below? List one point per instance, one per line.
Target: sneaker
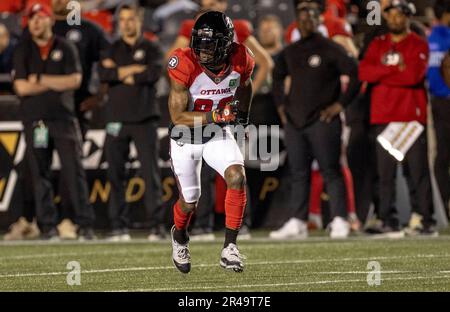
(244, 233)
(315, 221)
(50, 235)
(231, 258)
(157, 233)
(202, 235)
(118, 235)
(422, 231)
(86, 233)
(387, 231)
(32, 231)
(293, 228)
(17, 230)
(355, 224)
(339, 228)
(414, 225)
(67, 230)
(429, 231)
(125, 237)
(181, 256)
(373, 226)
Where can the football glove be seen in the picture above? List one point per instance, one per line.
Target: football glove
(225, 115)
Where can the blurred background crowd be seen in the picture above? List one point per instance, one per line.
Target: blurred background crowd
(121, 29)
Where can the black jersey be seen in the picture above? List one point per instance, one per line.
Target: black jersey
(62, 60)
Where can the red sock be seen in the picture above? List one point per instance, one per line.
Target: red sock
(235, 201)
(181, 218)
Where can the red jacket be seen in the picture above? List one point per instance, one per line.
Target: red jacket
(397, 95)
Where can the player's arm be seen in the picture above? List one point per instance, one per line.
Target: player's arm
(178, 102)
(262, 60)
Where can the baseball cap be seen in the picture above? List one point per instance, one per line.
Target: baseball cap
(406, 7)
(304, 3)
(39, 8)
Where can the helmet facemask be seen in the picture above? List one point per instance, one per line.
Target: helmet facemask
(211, 50)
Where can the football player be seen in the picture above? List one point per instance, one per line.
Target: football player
(211, 88)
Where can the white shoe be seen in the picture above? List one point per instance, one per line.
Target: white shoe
(340, 228)
(67, 230)
(181, 256)
(125, 237)
(293, 228)
(232, 259)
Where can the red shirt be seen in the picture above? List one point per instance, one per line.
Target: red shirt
(242, 28)
(11, 6)
(332, 26)
(397, 95)
(103, 19)
(337, 8)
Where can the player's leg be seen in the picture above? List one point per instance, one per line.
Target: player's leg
(186, 165)
(224, 156)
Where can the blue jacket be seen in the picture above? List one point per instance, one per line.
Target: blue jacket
(439, 42)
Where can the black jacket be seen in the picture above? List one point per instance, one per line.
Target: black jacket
(132, 103)
(62, 60)
(90, 42)
(315, 65)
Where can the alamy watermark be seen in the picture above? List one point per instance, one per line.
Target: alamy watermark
(374, 274)
(74, 15)
(374, 15)
(259, 144)
(74, 276)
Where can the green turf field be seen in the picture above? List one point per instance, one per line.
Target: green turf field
(318, 264)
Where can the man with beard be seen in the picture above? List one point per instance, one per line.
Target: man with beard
(396, 65)
(131, 68)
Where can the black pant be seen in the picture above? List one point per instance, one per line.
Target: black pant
(441, 117)
(416, 159)
(362, 164)
(321, 141)
(64, 136)
(144, 136)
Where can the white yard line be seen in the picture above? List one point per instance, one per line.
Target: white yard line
(82, 254)
(150, 268)
(191, 288)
